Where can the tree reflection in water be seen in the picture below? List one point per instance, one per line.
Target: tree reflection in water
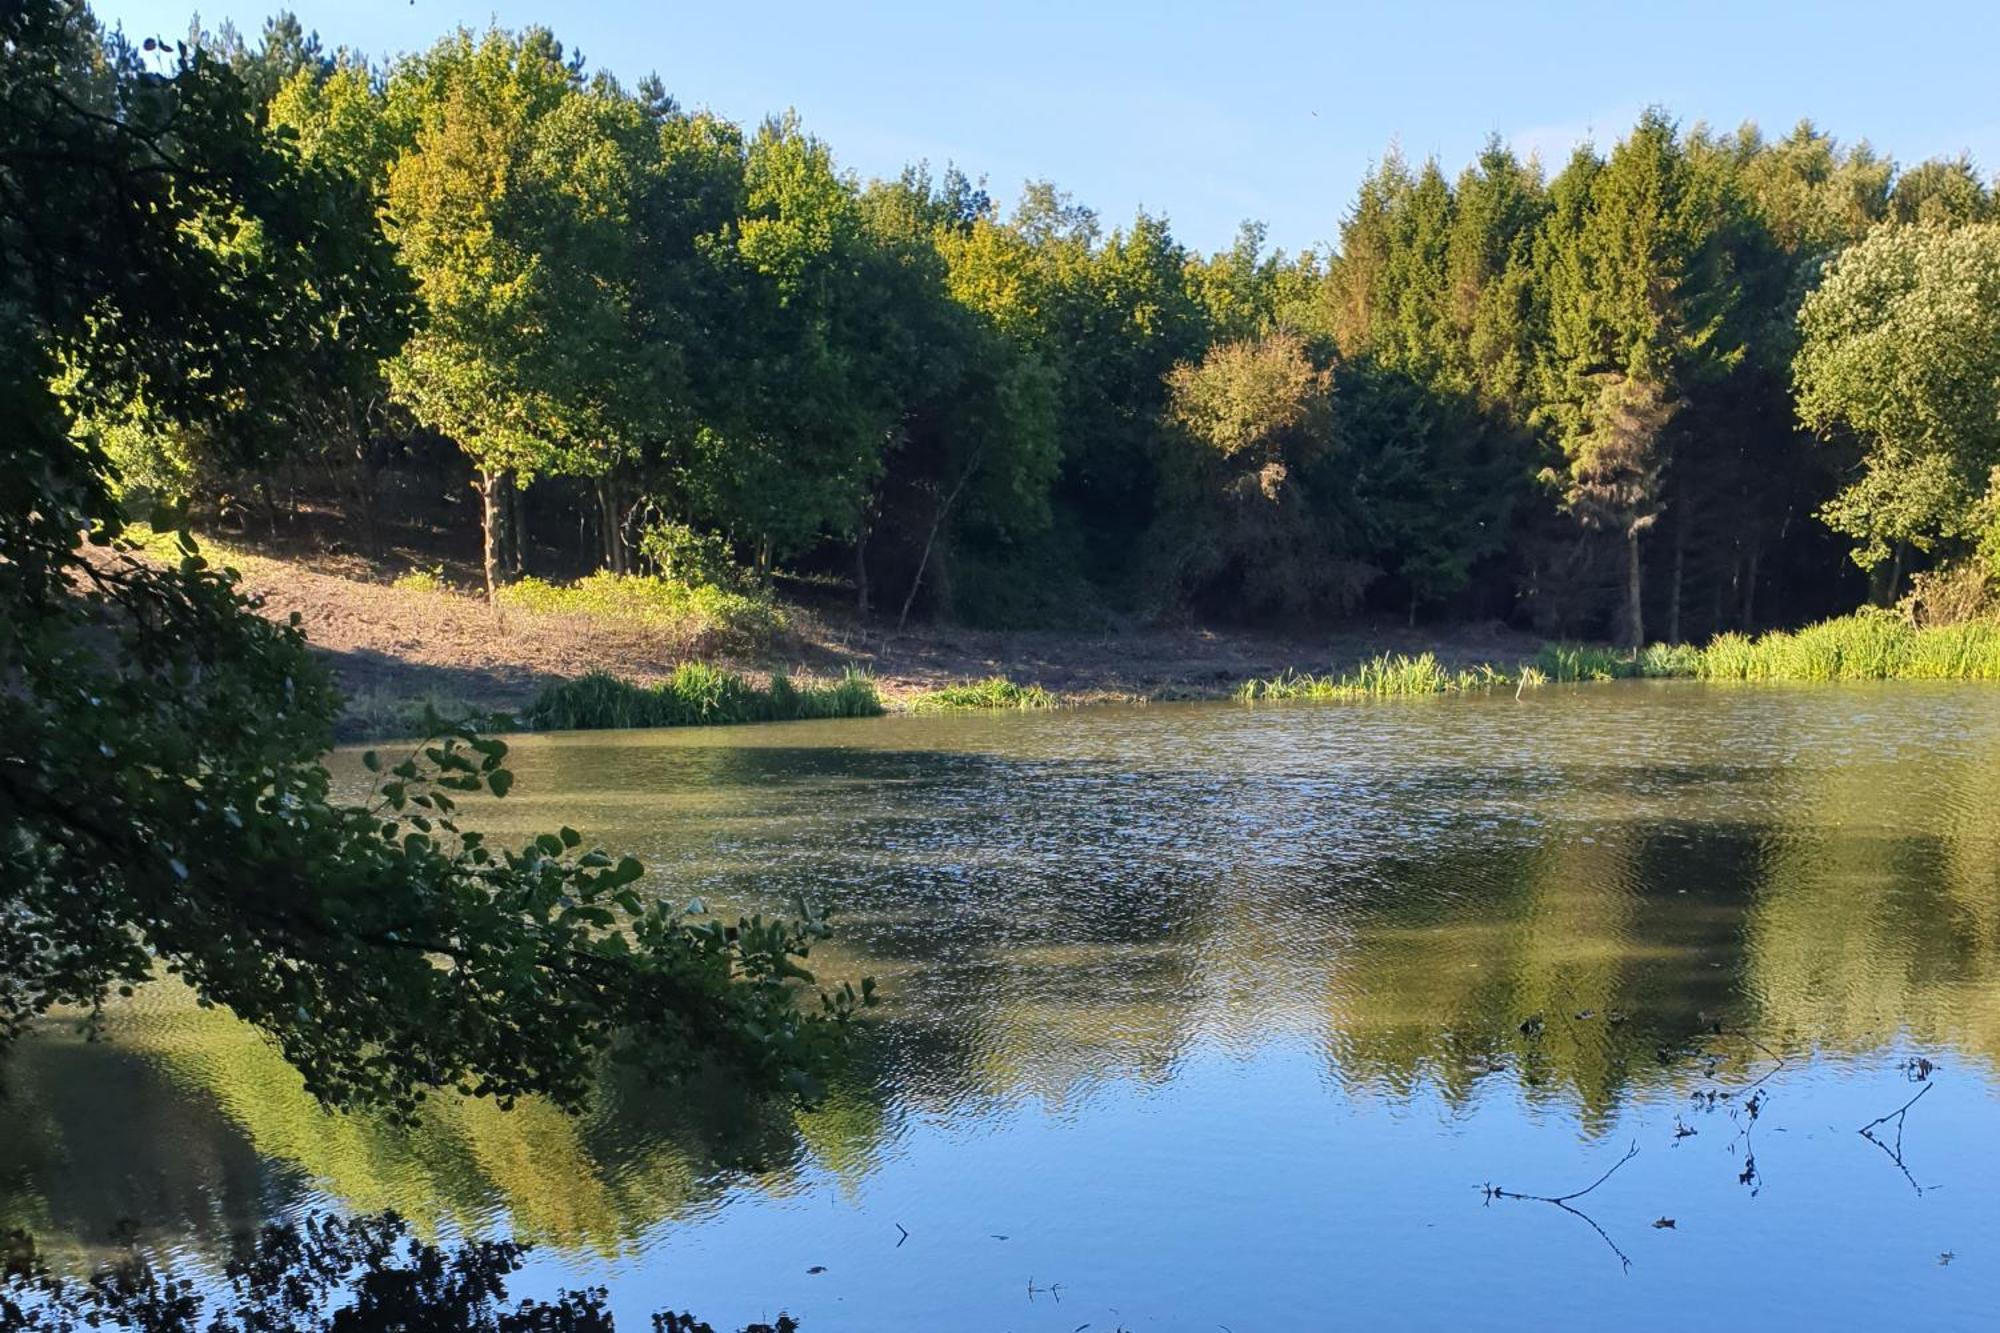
(324, 1274)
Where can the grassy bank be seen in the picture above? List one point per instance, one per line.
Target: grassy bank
(1869, 645)
(696, 695)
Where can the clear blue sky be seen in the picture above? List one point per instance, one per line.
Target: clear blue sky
(1216, 112)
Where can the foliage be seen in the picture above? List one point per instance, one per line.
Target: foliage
(1252, 418)
(1901, 347)
(161, 795)
(685, 555)
(995, 692)
(696, 695)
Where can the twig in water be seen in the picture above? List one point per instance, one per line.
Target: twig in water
(1562, 1201)
(1896, 1153)
(906, 1234)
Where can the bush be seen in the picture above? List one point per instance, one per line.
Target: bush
(688, 555)
(707, 618)
(993, 692)
(696, 695)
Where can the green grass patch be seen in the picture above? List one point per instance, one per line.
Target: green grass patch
(1383, 677)
(704, 617)
(1868, 645)
(696, 695)
(991, 693)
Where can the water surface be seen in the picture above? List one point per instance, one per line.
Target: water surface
(1214, 1016)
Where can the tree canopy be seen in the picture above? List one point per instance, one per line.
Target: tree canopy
(162, 797)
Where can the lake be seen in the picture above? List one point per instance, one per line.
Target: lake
(1212, 1016)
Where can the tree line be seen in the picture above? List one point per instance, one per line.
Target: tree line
(1700, 381)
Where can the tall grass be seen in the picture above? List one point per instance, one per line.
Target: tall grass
(1384, 676)
(705, 617)
(1869, 645)
(992, 693)
(696, 695)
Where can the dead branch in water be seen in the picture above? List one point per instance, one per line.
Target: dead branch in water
(1562, 1201)
(1895, 1153)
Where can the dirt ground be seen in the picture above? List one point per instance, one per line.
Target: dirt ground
(387, 643)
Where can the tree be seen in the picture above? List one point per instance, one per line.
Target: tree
(1900, 346)
(1641, 296)
(1251, 418)
(794, 441)
(511, 203)
(162, 805)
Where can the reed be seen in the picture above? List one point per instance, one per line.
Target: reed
(696, 695)
(1381, 677)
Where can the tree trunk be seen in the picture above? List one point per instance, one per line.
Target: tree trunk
(364, 503)
(1680, 569)
(861, 570)
(517, 531)
(1632, 634)
(490, 523)
(1750, 589)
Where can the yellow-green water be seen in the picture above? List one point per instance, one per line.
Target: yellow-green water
(1218, 1015)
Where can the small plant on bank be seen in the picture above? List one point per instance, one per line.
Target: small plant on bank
(429, 579)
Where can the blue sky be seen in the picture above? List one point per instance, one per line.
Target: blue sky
(1214, 113)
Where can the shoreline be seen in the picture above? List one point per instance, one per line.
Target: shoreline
(393, 650)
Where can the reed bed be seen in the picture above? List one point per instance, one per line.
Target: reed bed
(696, 695)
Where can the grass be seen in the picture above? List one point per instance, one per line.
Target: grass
(696, 695)
(1868, 645)
(703, 617)
(1383, 677)
(994, 692)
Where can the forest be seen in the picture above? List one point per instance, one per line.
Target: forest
(1689, 382)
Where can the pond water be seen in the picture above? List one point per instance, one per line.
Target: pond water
(1211, 1016)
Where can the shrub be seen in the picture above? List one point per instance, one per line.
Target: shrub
(688, 555)
(422, 580)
